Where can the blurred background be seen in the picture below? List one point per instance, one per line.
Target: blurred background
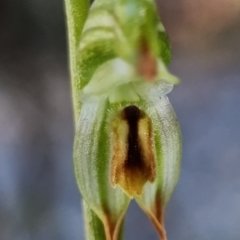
(39, 199)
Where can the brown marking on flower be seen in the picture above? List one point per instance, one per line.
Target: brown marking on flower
(158, 211)
(133, 158)
(147, 63)
(156, 215)
(112, 225)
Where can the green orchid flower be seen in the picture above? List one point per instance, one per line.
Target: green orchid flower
(128, 141)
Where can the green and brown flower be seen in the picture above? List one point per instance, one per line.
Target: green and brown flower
(128, 140)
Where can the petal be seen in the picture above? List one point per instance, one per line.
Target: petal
(168, 159)
(107, 78)
(164, 75)
(92, 167)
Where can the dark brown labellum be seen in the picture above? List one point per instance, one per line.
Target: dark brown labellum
(133, 158)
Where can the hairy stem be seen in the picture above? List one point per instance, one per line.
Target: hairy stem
(76, 13)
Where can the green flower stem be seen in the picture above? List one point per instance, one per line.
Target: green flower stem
(76, 13)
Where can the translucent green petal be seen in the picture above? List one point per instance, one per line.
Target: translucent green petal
(92, 167)
(168, 158)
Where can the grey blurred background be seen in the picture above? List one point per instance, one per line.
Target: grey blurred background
(39, 199)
